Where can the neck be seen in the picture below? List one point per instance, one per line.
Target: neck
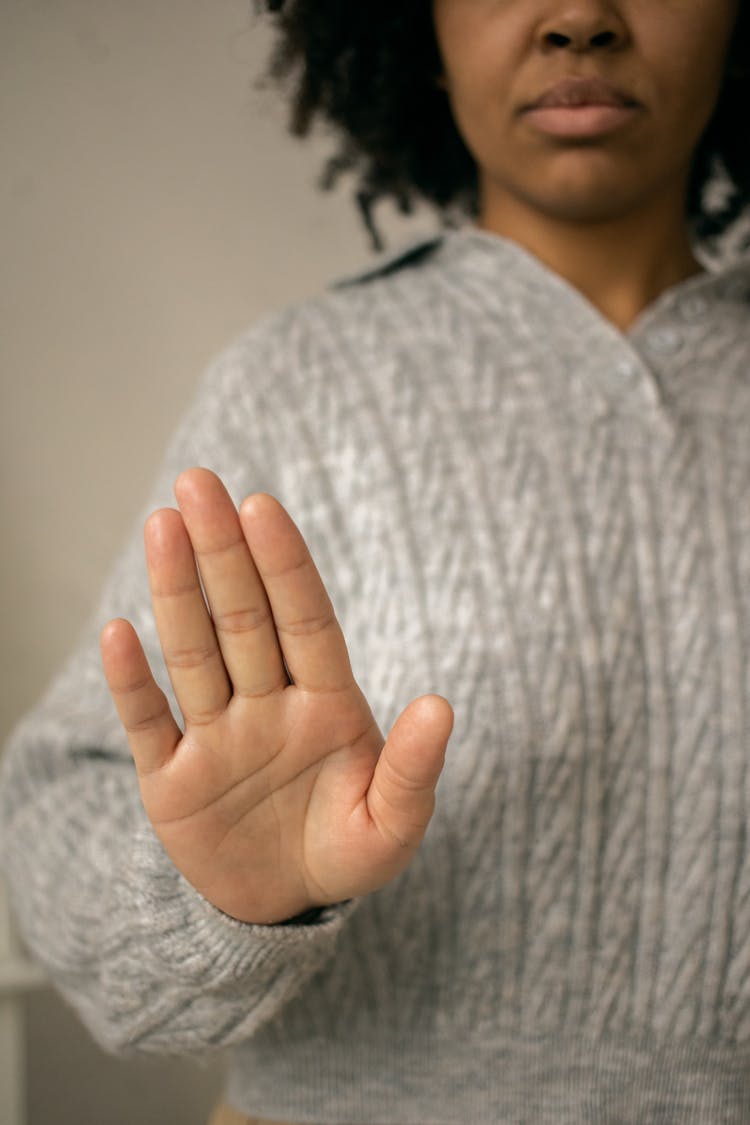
(620, 265)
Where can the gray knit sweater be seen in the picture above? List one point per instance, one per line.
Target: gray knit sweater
(548, 522)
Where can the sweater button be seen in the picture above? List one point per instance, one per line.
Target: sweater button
(664, 341)
(694, 307)
(626, 369)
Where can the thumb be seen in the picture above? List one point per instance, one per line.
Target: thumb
(401, 797)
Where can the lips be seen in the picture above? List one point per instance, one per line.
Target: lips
(581, 111)
(573, 93)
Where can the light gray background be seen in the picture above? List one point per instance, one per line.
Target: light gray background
(152, 207)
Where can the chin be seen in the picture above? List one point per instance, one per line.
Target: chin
(599, 204)
(588, 211)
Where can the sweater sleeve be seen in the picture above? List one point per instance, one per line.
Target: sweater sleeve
(148, 964)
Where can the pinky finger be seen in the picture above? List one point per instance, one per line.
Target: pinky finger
(142, 706)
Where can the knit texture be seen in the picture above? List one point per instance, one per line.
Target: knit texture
(547, 521)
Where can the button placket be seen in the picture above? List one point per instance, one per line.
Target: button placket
(631, 375)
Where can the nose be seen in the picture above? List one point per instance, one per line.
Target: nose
(582, 27)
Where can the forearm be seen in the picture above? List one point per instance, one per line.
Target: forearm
(148, 963)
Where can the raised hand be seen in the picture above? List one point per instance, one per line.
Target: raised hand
(280, 794)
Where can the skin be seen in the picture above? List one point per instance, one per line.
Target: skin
(608, 214)
(277, 792)
(273, 797)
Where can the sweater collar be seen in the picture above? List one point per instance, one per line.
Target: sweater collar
(483, 254)
(494, 255)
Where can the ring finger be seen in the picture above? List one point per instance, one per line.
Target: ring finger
(188, 640)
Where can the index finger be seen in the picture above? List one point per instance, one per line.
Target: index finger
(310, 636)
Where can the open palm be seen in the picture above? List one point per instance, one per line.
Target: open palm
(280, 794)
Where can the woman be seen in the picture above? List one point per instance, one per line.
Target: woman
(519, 454)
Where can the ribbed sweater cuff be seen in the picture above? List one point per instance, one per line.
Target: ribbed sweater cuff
(196, 942)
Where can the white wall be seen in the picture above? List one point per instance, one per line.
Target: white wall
(152, 207)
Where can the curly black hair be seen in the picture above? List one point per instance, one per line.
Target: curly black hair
(370, 70)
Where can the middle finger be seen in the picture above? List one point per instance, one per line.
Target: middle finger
(236, 596)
